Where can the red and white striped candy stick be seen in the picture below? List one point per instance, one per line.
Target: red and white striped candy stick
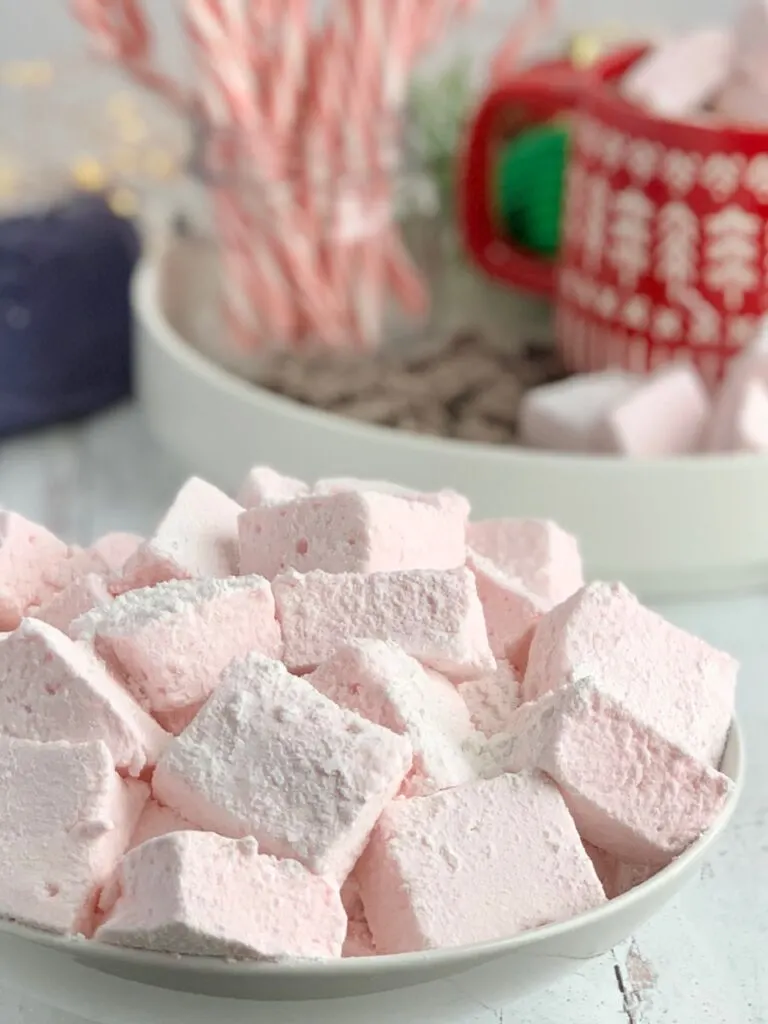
(119, 32)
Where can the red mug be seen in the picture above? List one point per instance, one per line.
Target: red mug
(664, 241)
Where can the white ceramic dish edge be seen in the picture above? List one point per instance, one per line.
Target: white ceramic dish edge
(665, 527)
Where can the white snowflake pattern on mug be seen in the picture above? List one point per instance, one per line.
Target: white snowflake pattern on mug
(612, 153)
(732, 252)
(597, 194)
(705, 322)
(607, 302)
(756, 177)
(677, 244)
(636, 312)
(588, 135)
(721, 174)
(679, 170)
(629, 236)
(642, 159)
(742, 330)
(573, 220)
(667, 324)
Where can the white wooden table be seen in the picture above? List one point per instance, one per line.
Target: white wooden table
(701, 961)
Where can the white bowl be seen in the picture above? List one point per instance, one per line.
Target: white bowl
(666, 527)
(118, 986)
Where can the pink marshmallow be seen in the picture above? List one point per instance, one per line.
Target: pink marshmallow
(157, 820)
(116, 548)
(473, 864)
(55, 689)
(673, 682)
(271, 757)
(617, 876)
(750, 430)
(682, 75)
(567, 415)
(665, 415)
(630, 791)
(436, 617)
(264, 486)
(511, 610)
(382, 683)
(30, 559)
(198, 894)
(750, 365)
(65, 820)
(353, 532)
(345, 484)
(81, 596)
(492, 699)
(196, 538)
(358, 941)
(542, 556)
(170, 642)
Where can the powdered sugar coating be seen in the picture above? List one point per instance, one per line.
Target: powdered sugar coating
(196, 537)
(436, 617)
(52, 688)
(631, 792)
(537, 552)
(170, 642)
(271, 757)
(381, 682)
(492, 699)
(669, 680)
(65, 819)
(353, 531)
(264, 486)
(80, 597)
(258, 907)
(473, 864)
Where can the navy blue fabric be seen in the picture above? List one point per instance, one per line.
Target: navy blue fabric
(65, 319)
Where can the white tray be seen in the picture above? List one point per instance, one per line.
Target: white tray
(670, 527)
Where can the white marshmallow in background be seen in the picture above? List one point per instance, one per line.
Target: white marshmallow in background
(682, 75)
(666, 414)
(744, 97)
(566, 416)
(739, 420)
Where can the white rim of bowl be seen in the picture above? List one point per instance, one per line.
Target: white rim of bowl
(87, 951)
(145, 295)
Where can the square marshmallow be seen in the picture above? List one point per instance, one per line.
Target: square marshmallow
(199, 894)
(511, 610)
(382, 683)
(116, 548)
(631, 792)
(353, 532)
(472, 864)
(169, 643)
(492, 699)
(81, 596)
(65, 820)
(669, 680)
(197, 537)
(30, 559)
(263, 486)
(53, 688)
(436, 617)
(271, 757)
(542, 556)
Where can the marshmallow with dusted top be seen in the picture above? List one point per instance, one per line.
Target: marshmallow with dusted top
(436, 617)
(538, 552)
(30, 561)
(668, 679)
(169, 643)
(66, 818)
(271, 757)
(680, 76)
(631, 792)
(750, 427)
(199, 894)
(353, 531)
(492, 699)
(511, 610)
(265, 486)
(749, 366)
(568, 414)
(473, 864)
(53, 688)
(196, 537)
(81, 596)
(665, 415)
(382, 683)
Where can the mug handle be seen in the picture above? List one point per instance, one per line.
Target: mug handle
(534, 96)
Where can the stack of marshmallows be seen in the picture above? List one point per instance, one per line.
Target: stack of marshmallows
(337, 721)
